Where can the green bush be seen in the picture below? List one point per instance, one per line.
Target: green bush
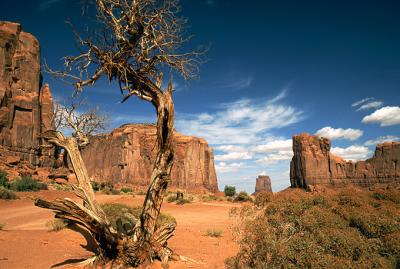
(26, 183)
(336, 229)
(243, 197)
(4, 180)
(126, 190)
(123, 218)
(7, 194)
(229, 191)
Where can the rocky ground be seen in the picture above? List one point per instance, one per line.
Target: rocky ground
(25, 241)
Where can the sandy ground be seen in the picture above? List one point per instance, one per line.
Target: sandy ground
(25, 241)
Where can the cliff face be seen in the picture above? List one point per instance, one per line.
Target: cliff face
(313, 164)
(263, 183)
(127, 155)
(25, 106)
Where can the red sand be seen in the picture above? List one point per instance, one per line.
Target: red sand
(25, 241)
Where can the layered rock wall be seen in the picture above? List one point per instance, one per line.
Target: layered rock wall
(25, 106)
(127, 154)
(313, 164)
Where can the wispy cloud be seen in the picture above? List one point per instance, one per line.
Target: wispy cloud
(241, 122)
(224, 167)
(381, 139)
(385, 116)
(46, 4)
(239, 84)
(340, 133)
(362, 101)
(369, 105)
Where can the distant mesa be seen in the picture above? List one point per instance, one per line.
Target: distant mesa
(263, 184)
(314, 165)
(126, 155)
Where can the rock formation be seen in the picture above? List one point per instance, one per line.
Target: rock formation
(263, 183)
(313, 164)
(25, 106)
(127, 155)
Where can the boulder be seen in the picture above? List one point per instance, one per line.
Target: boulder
(313, 164)
(127, 154)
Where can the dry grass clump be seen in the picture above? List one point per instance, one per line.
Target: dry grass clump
(214, 233)
(56, 225)
(347, 228)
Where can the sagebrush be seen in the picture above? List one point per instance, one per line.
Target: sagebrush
(349, 228)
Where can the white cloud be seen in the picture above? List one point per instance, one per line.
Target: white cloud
(275, 157)
(386, 116)
(340, 133)
(362, 101)
(234, 156)
(353, 153)
(242, 122)
(231, 148)
(382, 139)
(224, 167)
(372, 104)
(276, 145)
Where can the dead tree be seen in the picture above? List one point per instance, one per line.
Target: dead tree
(137, 42)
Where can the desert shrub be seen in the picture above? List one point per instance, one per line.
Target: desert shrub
(243, 197)
(4, 180)
(208, 198)
(1, 226)
(171, 198)
(126, 190)
(26, 183)
(56, 225)
(7, 194)
(229, 191)
(129, 215)
(141, 193)
(336, 229)
(183, 201)
(262, 198)
(214, 232)
(104, 187)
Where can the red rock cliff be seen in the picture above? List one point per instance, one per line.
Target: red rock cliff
(313, 164)
(25, 109)
(127, 154)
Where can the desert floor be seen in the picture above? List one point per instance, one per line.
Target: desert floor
(25, 241)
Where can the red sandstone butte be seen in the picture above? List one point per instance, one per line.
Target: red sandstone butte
(313, 164)
(263, 184)
(25, 106)
(127, 155)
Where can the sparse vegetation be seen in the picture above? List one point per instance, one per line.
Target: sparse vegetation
(7, 194)
(56, 225)
(335, 229)
(129, 215)
(126, 190)
(229, 191)
(26, 183)
(243, 197)
(4, 180)
(1, 226)
(262, 198)
(181, 201)
(104, 187)
(214, 233)
(208, 198)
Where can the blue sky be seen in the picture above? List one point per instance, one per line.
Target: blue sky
(274, 69)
